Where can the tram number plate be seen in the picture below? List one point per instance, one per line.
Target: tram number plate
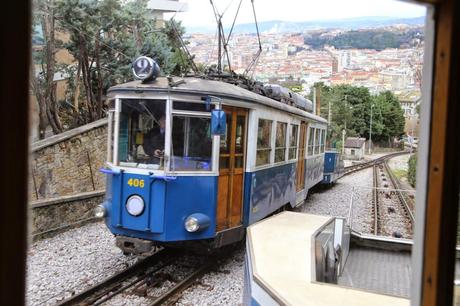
(136, 183)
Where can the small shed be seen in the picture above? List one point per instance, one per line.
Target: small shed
(354, 148)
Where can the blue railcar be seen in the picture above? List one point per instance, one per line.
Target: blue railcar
(174, 180)
(333, 167)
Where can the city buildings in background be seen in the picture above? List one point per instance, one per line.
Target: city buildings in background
(286, 57)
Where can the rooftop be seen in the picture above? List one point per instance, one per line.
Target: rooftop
(354, 142)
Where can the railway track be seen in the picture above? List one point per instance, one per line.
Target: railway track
(375, 200)
(391, 212)
(358, 167)
(402, 197)
(145, 279)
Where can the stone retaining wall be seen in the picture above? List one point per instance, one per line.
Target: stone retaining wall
(52, 214)
(69, 163)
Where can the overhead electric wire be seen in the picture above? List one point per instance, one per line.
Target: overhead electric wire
(256, 57)
(233, 24)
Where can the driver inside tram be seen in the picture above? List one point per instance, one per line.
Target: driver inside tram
(154, 142)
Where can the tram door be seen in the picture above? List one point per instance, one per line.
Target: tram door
(300, 175)
(231, 169)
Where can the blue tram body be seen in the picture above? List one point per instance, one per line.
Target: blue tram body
(333, 167)
(196, 188)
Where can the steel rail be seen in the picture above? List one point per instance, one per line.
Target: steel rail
(105, 287)
(399, 193)
(358, 167)
(375, 200)
(184, 284)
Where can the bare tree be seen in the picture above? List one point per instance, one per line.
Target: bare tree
(42, 82)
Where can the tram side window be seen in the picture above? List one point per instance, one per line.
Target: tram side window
(310, 141)
(191, 144)
(280, 143)
(293, 141)
(317, 134)
(323, 141)
(142, 133)
(264, 142)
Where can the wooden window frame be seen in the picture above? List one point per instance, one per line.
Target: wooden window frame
(285, 141)
(296, 147)
(271, 144)
(438, 166)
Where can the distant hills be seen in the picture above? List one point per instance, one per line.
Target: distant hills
(278, 26)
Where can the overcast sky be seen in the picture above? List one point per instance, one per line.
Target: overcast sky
(200, 11)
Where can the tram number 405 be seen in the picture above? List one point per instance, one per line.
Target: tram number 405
(136, 183)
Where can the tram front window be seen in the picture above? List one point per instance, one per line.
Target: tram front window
(191, 144)
(142, 133)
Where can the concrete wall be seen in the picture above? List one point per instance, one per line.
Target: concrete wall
(358, 153)
(68, 163)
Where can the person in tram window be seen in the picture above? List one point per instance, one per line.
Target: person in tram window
(154, 141)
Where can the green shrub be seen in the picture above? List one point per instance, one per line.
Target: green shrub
(412, 172)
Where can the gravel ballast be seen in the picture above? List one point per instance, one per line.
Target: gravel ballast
(71, 262)
(335, 200)
(221, 287)
(77, 259)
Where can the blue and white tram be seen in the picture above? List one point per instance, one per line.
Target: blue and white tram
(172, 179)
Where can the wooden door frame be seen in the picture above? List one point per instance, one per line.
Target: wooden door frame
(235, 111)
(14, 131)
(305, 123)
(443, 163)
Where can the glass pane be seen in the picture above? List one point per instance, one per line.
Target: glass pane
(323, 140)
(189, 106)
(224, 163)
(280, 134)
(293, 141)
(293, 136)
(142, 133)
(192, 144)
(264, 134)
(317, 133)
(239, 140)
(310, 141)
(280, 155)
(263, 157)
(292, 153)
(280, 142)
(239, 162)
(225, 139)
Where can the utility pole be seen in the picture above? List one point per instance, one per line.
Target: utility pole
(370, 130)
(314, 100)
(343, 142)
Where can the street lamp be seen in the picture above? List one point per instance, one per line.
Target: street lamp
(370, 130)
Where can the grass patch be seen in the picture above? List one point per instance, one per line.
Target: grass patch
(400, 173)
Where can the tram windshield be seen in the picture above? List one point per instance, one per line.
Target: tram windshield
(191, 144)
(142, 133)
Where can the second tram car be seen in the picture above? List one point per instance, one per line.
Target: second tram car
(172, 180)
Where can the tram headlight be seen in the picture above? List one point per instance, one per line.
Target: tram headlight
(196, 222)
(191, 224)
(100, 211)
(135, 205)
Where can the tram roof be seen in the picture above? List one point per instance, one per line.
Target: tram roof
(201, 87)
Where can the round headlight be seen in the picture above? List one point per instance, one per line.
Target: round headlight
(135, 205)
(100, 211)
(145, 68)
(192, 224)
